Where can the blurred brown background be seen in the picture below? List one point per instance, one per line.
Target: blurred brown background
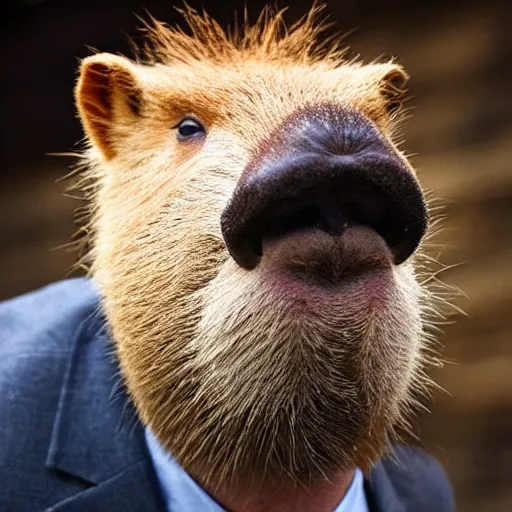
(460, 57)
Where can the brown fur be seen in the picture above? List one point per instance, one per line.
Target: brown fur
(234, 381)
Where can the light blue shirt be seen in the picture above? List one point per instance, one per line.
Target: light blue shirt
(182, 493)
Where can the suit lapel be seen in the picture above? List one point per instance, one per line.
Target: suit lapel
(135, 488)
(97, 436)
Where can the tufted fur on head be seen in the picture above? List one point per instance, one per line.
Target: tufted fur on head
(236, 381)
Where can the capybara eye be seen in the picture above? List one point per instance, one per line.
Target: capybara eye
(189, 128)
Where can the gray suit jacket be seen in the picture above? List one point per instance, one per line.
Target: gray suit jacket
(70, 440)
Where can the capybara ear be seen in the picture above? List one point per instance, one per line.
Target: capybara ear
(393, 86)
(108, 97)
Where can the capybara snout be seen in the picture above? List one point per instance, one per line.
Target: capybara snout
(324, 168)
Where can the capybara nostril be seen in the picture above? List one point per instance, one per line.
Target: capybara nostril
(324, 170)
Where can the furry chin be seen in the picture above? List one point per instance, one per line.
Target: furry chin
(247, 389)
(297, 412)
(265, 397)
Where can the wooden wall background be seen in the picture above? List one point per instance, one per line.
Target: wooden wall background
(460, 57)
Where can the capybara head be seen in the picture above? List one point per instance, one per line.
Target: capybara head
(255, 237)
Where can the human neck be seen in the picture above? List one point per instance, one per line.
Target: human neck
(321, 496)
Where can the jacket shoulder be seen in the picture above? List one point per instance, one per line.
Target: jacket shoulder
(44, 313)
(419, 480)
(36, 336)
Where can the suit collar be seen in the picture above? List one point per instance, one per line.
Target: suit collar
(96, 433)
(380, 491)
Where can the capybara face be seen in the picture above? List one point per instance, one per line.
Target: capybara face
(255, 231)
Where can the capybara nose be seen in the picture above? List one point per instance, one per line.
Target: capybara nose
(324, 168)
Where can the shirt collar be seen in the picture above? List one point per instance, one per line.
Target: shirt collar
(183, 494)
